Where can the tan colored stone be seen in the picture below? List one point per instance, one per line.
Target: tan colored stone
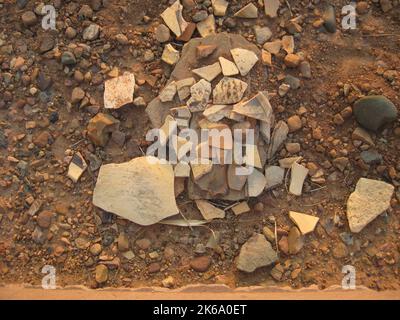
(100, 127)
(305, 222)
(244, 59)
(249, 11)
(119, 91)
(229, 91)
(298, 176)
(228, 67)
(170, 55)
(210, 72)
(241, 208)
(208, 211)
(207, 26)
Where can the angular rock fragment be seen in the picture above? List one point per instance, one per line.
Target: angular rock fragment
(229, 91)
(210, 72)
(217, 112)
(305, 222)
(219, 7)
(241, 208)
(119, 91)
(295, 240)
(255, 253)
(173, 18)
(274, 177)
(249, 11)
(168, 93)
(271, 8)
(100, 128)
(362, 135)
(204, 51)
(228, 67)
(200, 96)
(182, 170)
(183, 87)
(235, 181)
(256, 183)
(157, 111)
(370, 199)
(208, 211)
(207, 26)
(257, 107)
(273, 47)
(288, 44)
(170, 55)
(298, 176)
(141, 190)
(244, 59)
(76, 167)
(200, 169)
(279, 136)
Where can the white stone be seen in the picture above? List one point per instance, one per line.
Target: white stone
(370, 199)
(228, 67)
(170, 55)
(168, 93)
(119, 91)
(173, 18)
(244, 59)
(298, 176)
(256, 183)
(141, 190)
(257, 107)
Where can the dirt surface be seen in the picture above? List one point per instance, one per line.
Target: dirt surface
(39, 129)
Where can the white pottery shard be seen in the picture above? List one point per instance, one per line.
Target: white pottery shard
(119, 91)
(141, 190)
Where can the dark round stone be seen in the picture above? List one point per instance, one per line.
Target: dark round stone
(53, 117)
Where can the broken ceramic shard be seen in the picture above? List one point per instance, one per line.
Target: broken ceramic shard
(219, 7)
(217, 112)
(119, 91)
(244, 59)
(370, 199)
(170, 55)
(228, 67)
(183, 87)
(305, 222)
(274, 176)
(208, 211)
(141, 190)
(200, 96)
(208, 72)
(255, 253)
(207, 26)
(273, 47)
(255, 183)
(76, 167)
(236, 181)
(167, 130)
(229, 91)
(271, 8)
(173, 18)
(182, 170)
(257, 107)
(298, 176)
(201, 168)
(240, 208)
(279, 136)
(168, 93)
(249, 11)
(100, 128)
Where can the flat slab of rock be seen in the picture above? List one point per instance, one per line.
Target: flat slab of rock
(119, 91)
(244, 59)
(370, 199)
(141, 190)
(257, 252)
(208, 211)
(305, 222)
(229, 91)
(210, 72)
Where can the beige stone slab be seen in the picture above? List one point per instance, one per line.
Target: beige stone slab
(305, 222)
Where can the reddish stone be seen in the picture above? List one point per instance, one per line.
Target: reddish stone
(201, 264)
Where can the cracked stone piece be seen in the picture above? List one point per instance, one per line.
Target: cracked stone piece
(173, 18)
(257, 107)
(208, 211)
(215, 113)
(273, 47)
(141, 190)
(228, 67)
(168, 93)
(241, 208)
(278, 137)
(229, 91)
(210, 72)
(219, 7)
(119, 91)
(298, 176)
(256, 183)
(255, 253)
(183, 87)
(207, 26)
(305, 222)
(76, 167)
(271, 8)
(274, 176)
(170, 55)
(249, 11)
(370, 199)
(200, 96)
(244, 59)
(100, 128)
